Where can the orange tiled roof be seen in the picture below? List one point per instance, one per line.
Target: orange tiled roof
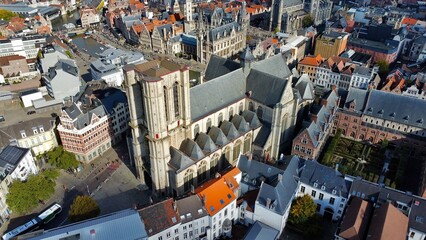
(137, 28)
(139, 6)
(311, 60)
(44, 30)
(409, 21)
(218, 193)
(250, 10)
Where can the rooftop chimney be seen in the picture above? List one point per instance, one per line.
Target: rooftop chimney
(268, 202)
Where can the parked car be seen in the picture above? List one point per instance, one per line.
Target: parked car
(2, 119)
(31, 112)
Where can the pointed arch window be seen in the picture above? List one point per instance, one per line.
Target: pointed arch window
(166, 103)
(188, 180)
(231, 113)
(236, 152)
(208, 124)
(176, 98)
(196, 130)
(214, 165)
(202, 172)
(220, 119)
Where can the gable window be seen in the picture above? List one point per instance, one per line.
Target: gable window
(296, 147)
(196, 130)
(321, 196)
(332, 201)
(314, 193)
(231, 113)
(302, 189)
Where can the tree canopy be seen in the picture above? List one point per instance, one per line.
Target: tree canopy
(83, 207)
(383, 67)
(23, 196)
(307, 21)
(62, 159)
(302, 209)
(6, 14)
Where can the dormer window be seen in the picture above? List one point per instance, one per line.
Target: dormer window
(381, 112)
(334, 191)
(406, 118)
(41, 129)
(393, 115)
(315, 184)
(420, 121)
(35, 131)
(323, 187)
(23, 135)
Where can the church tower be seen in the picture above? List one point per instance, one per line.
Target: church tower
(164, 95)
(201, 31)
(246, 58)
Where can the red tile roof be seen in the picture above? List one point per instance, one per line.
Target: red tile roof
(218, 193)
(355, 221)
(159, 216)
(312, 61)
(409, 21)
(388, 223)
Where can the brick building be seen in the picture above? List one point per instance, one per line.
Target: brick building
(310, 141)
(309, 65)
(13, 66)
(376, 115)
(85, 132)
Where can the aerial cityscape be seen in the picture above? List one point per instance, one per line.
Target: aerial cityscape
(213, 119)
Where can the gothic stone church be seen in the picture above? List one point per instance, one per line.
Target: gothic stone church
(182, 135)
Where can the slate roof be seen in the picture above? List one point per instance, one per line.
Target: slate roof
(359, 96)
(224, 30)
(14, 131)
(275, 65)
(265, 88)
(218, 137)
(68, 66)
(83, 119)
(314, 172)
(305, 87)
(254, 172)
(190, 208)
(179, 161)
(191, 149)
(263, 135)
(216, 94)
(159, 216)
(282, 194)
(251, 119)
(229, 130)
(260, 231)
(240, 124)
(73, 111)
(110, 97)
(110, 226)
(205, 143)
(218, 66)
(397, 108)
(247, 55)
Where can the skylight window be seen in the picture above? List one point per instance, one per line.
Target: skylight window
(212, 208)
(222, 202)
(200, 211)
(229, 196)
(174, 219)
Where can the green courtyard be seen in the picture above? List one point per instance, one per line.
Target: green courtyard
(367, 160)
